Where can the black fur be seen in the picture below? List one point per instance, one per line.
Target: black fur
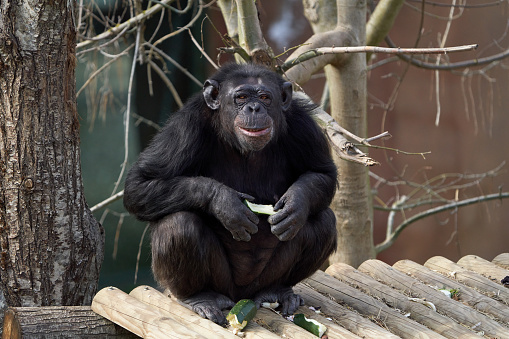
(208, 248)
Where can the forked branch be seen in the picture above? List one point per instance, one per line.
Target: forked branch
(345, 149)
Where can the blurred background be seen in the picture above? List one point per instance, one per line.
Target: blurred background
(460, 117)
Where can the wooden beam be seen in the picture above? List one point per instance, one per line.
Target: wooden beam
(59, 322)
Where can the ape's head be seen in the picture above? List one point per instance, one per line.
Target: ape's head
(251, 102)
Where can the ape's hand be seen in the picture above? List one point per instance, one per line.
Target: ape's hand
(227, 206)
(293, 211)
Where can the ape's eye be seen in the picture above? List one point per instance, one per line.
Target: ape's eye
(241, 99)
(265, 98)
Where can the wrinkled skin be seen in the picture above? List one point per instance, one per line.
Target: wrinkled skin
(242, 138)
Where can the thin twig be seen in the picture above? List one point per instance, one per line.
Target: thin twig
(109, 42)
(454, 205)
(168, 83)
(313, 53)
(451, 66)
(138, 256)
(108, 201)
(129, 23)
(176, 64)
(180, 30)
(202, 51)
(117, 236)
(128, 111)
(140, 119)
(103, 67)
(396, 150)
(379, 136)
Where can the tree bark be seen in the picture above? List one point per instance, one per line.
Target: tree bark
(346, 78)
(51, 247)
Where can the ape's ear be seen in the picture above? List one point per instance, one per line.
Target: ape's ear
(211, 93)
(286, 95)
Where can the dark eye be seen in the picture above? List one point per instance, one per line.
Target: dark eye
(240, 98)
(265, 98)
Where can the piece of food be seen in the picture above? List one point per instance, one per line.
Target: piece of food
(260, 209)
(241, 314)
(273, 305)
(310, 325)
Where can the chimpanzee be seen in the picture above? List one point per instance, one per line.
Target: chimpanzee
(242, 138)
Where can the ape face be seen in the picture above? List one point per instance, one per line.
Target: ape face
(251, 110)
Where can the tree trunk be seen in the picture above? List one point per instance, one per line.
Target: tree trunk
(348, 94)
(51, 247)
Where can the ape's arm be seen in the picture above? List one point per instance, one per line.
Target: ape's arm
(313, 191)
(165, 180)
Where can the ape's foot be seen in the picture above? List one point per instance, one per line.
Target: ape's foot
(209, 305)
(284, 295)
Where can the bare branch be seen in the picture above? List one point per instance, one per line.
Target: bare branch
(454, 205)
(128, 110)
(453, 65)
(168, 83)
(344, 148)
(371, 49)
(202, 51)
(108, 201)
(300, 73)
(174, 63)
(128, 24)
(103, 67)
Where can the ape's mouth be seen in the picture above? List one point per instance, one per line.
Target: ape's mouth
(255, 132)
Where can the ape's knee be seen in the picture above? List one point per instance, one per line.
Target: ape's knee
(177, 254)
(329, 233)
(320, 233)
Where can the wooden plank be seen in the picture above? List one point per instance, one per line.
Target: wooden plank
(502, 260)
(59, 322)
(350, 320)
(481, 284)
(484, 267)
(281, 326)
(333, 330)
(138, 317)
(418, 312)
(466, 294)
(364, 304)
(456, 310)
(184, 315)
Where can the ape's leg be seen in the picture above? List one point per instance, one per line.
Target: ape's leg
(298, 259)
(188, 259)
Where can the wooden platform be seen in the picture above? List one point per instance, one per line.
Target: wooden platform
(375, 301)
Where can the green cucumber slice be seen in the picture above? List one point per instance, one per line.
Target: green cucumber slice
(243, 312)
(310, 325)
(260, 209)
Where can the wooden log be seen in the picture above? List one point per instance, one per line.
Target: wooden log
(418, 312)
(350, 320)
(186, 317)
(502, 260)
(138, 317)
(484, 267)
(281, 326)
(364, 304)
(192, 320)
(333, 329)
(469, 278)
(466, 294)
(59, 322)
(456, 310)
